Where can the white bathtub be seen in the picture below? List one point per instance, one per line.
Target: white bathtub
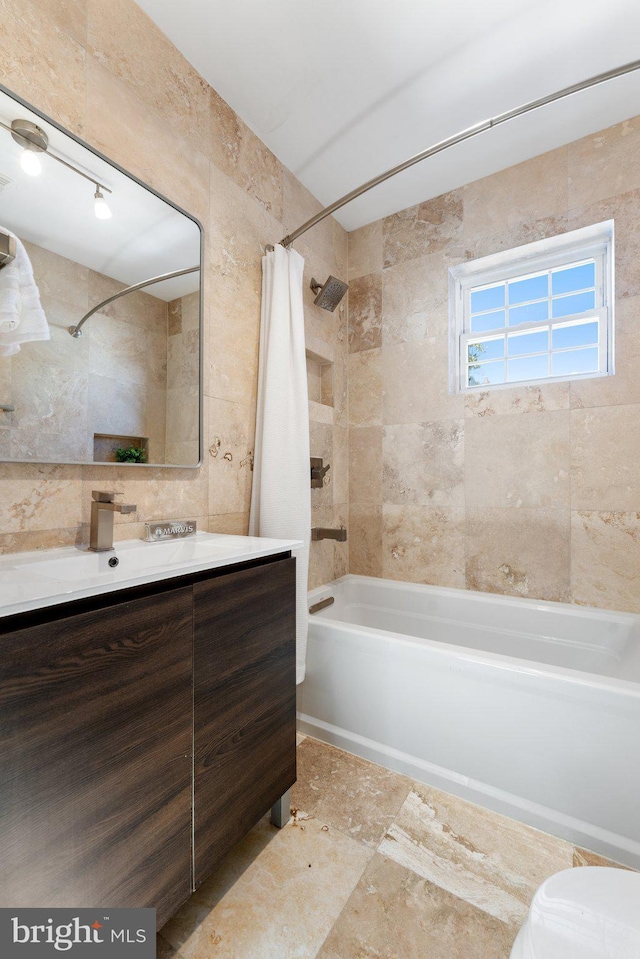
(529, 708)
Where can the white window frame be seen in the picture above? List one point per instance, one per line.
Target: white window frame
(592, 242)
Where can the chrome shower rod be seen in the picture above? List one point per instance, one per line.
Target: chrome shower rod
(76, 331)
(459, 138)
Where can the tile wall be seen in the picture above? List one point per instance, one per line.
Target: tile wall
(530, 491)
(108, 74)
(111, 380)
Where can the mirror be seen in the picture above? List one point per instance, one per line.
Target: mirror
(127, 388)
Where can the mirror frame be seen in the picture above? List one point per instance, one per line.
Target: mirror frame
(196, 221)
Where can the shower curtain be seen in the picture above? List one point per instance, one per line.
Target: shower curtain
(281, 498)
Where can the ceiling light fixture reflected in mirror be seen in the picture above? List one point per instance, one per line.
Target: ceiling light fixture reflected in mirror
(33, 141)
(101, 207)
(30, 163)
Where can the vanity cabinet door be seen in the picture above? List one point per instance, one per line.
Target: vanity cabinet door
(95, 758)
(244, 695)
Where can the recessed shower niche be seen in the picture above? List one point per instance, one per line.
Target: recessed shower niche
(320, 372)
(92, 232)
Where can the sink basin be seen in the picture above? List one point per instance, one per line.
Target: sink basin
(32, 580)
(134, 558)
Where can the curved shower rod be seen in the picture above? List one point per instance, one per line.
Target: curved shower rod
(459, 138)
(76, 331)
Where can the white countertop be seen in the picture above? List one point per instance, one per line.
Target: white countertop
(49, 577)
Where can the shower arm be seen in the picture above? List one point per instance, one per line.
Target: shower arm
(459, 138)
(76, 331)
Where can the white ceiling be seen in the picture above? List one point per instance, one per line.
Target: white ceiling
(345, 89)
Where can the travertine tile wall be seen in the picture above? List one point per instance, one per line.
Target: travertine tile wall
(109, 75)
(527, 491)
(181, 408)
(112, 380)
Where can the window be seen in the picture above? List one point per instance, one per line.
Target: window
(537, 312)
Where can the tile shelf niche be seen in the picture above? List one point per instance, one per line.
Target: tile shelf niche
(320, 362)
(106, 444)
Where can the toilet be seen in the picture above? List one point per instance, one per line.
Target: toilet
(591, 912)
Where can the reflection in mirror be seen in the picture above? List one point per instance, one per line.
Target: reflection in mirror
(128, 387)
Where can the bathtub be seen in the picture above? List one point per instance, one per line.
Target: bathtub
(529, 708)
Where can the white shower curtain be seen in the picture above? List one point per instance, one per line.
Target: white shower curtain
(281, 498)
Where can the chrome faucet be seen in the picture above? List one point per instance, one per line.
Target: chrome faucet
(102, 510)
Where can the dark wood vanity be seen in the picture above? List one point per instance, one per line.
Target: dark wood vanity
(142, 734)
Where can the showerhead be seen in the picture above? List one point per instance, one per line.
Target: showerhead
(330, 294)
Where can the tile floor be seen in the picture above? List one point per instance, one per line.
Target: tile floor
(371, 866)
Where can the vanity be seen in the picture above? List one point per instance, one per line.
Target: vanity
(147, 715)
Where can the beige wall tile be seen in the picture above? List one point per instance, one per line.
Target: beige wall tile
(605, 559)
(519, 552)
(604, 164)
(426, 228)
(314, 382)
(415, 380)
(365, 250)
(44, 63)
(365, 313)
(340, 465)
(424, 464)
(605, 458)
(157, 493)
(242, 156)
(415, 299)
(20, 542)
(365, 464)
(365, 539)
(127, 42)
(542, 398)
(340, 387)
(183, 415)
(69, 16)
(518, 461)
(120, 128)
(116, 407)
(365, 388)
(519, 233)
(239, 230)
(423, 545)
(234, 524)
(70, 446)
(525, 192)
(321, 444)
(60, 281)
(230, 438)
(39, 497)
(320, 413)
(624, 209)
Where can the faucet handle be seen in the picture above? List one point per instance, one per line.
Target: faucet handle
(102, 496)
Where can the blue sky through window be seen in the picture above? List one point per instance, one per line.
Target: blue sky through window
(555, 349)
(539, 311)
